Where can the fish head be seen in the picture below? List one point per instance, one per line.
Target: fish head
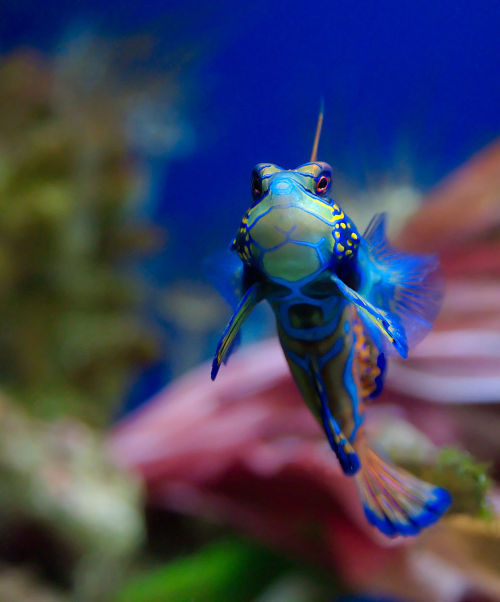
(293, 230)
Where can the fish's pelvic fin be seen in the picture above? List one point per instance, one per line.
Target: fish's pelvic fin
(249, 300)
(371, 361)
(385, 322)
(394, 501)
(408, 286)
(346, 455)
(339, 443)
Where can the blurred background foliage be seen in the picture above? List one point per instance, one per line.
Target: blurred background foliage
(71, 336)
(127, 136)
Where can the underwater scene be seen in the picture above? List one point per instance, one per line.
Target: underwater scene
(249, 301)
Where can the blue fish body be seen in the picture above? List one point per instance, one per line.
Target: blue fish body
(343, 302)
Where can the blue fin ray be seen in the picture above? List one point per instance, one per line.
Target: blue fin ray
(387, 324)
(396, 502)
(408, 286)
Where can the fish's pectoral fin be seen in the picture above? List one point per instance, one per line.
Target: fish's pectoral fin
(408, 285)
(249, 300)
(340, 444)
(386, 322)
(232, 279)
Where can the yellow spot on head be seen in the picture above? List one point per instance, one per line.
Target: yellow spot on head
(348, 224)
(349, 243)
(354, 235)
(348, 252)
(337, 234)
(340, 247)
(337, 226)
(342, 225)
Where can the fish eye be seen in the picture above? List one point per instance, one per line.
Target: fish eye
(322, 184)
(256, 185)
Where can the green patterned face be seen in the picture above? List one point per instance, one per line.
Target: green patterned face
(293, 229)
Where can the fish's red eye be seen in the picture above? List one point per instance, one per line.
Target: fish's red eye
(256, 185)
(322, 185)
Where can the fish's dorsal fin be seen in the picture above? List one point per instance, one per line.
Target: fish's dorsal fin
(319, 125)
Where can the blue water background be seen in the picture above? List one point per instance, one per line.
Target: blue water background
(409, 87)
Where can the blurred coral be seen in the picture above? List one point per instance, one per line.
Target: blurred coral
(461, 222)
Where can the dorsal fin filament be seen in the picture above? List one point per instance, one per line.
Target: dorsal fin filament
(314, 154)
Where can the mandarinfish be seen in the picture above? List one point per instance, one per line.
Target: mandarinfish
(343, 302)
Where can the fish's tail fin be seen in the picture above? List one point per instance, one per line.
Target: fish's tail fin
(394, 501)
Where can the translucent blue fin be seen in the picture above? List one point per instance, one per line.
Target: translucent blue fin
(384, 321)
(249, 300)
(225, 271)
(339, 443)
(409, 287)
(396, 502)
